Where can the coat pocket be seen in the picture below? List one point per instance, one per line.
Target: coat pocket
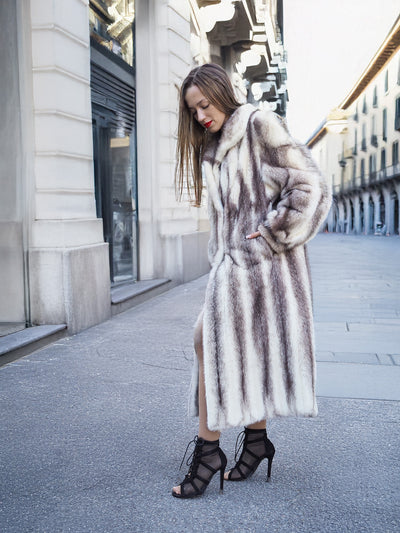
(250, 252)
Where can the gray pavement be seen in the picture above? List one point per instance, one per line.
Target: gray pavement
(93, 427)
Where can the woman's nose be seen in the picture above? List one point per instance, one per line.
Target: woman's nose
(200, 115)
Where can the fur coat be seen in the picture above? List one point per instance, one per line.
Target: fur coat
(257, 316)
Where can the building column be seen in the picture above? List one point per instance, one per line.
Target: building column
(357, 218)
(340, 227)
(348, 217)
(330, 220)
(68, 259)
(389, 211)
(365, 200)
(376, 197)
(173, 235)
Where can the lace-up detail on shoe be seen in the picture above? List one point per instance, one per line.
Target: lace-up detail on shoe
(253, 446)
(206, 460)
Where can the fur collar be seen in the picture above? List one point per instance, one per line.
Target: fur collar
(232, 132)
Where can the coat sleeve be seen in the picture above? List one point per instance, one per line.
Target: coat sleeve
(301, 197)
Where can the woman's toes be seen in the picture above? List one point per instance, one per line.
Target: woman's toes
(226, 475)
(177, 489)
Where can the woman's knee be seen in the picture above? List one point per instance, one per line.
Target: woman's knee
(198, 341)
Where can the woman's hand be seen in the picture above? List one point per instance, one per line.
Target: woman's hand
(253, 235)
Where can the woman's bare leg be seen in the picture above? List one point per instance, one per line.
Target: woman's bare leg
(204, 432)
(258, 425)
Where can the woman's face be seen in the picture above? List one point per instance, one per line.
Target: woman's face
(211, 118)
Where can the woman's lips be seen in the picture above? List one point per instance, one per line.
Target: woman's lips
(208, 124)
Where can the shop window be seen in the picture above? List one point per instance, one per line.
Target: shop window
(111, 25)
(113, 95)
(384, 124)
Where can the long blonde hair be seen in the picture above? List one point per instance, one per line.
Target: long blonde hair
(214, 83)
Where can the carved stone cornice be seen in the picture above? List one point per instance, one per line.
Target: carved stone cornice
(228, 32)
(205, 3)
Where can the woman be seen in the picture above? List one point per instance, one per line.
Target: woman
(254, 337)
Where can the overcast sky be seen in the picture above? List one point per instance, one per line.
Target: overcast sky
(329, 43)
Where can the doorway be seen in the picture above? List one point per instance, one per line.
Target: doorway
(116, 198)
(114, 154)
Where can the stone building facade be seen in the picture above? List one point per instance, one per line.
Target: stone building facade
(357, 146)
(88, 211)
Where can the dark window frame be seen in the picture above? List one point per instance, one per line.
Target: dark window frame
(364, 106)
(372, 167)
(355, 142)
(375, 97)
(364, 138)
(374, 137)
(384, 124)
(383, 158)
(395, 153)
(355, 117)
(397, 114)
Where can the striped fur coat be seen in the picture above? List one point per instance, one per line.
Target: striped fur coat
(257, 317)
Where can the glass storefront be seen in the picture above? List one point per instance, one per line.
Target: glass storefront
(114, 131)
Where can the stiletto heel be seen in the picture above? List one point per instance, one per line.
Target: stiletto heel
(221, 480)
(254, 446)
(270, 465)
(205, 461)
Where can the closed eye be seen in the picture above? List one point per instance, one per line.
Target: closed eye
(194, 112)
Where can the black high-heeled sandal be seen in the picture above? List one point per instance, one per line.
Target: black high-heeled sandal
(255, 447)
(205, 461)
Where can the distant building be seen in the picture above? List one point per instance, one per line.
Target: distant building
(357, 147)
(88, 214)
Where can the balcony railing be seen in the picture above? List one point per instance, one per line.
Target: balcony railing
(373, 178)
(374, 140)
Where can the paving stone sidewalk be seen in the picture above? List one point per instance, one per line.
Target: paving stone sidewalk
(93, 428)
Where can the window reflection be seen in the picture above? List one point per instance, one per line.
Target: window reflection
(111, 25)
(123, 209)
